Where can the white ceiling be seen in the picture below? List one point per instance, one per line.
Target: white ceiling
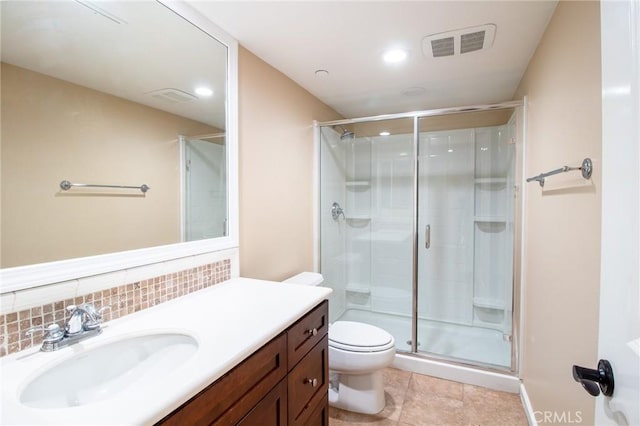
(348, 38)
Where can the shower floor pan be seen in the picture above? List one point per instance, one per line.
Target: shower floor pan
(460, 342)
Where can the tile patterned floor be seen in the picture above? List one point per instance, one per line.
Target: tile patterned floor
(416, 400)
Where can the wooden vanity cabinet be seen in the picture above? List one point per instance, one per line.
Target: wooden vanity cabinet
(285, 382)
(308, 361)
(271, 410)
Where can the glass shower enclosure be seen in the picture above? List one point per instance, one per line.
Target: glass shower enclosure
(204, 187)
(417, 228)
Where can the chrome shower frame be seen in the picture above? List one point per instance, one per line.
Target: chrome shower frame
(516, 310)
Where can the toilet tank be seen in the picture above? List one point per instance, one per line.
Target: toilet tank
(306, 278)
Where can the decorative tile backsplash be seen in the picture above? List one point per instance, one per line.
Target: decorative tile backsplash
(123, 300)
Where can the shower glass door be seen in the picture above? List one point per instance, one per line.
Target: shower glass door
(417, 231)
(465, 242)
(204, 192)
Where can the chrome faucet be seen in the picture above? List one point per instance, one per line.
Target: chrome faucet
(84, 321)
(83, 318)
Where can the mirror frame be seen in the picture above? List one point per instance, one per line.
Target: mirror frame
(41, 274)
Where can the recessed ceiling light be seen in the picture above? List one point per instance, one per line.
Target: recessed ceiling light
(384, 133)
(449, 150)
(204, 91)
(322, 73)
(394, 56)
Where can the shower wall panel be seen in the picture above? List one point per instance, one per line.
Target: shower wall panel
(494, 227)
(358, 215)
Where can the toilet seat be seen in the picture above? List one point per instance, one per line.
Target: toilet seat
(359, 337)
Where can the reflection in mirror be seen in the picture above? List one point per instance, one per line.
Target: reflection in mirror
(204, 171)
(108, 93)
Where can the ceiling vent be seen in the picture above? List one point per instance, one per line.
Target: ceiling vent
(172, 96)
(460, 41)
(442, 47)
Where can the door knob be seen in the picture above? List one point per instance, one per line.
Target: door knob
(594, 381)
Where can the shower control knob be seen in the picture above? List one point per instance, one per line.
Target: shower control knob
(312, 382)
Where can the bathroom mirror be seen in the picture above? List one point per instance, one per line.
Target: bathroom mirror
(124, 96)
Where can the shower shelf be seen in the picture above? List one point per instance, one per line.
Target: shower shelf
(357, 289)
(491, 219)
(362, 218)
(483, 302)
(357, 183)
(490, 180)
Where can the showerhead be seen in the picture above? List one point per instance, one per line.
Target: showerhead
(346, 134)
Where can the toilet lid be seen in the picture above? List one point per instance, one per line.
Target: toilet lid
(359, 337)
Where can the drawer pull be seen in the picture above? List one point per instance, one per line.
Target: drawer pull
(312, 331)
(312, 382)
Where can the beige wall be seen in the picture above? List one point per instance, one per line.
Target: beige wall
(276, 170)
(562, 232)
(54, 130)
(466, 120)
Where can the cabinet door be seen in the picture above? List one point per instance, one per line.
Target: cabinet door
(271, 411)
(320, 415)
(227, 400)
(308, 383)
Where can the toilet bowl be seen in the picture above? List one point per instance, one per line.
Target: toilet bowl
(357, 354)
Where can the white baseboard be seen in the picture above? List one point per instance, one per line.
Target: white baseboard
(526, 403)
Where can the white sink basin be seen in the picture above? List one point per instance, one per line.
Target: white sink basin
(101, 372)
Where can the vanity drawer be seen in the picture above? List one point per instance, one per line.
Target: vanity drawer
(307, 332)
(228, 399)
(308, 383)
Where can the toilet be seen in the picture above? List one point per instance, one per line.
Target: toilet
(357, 354)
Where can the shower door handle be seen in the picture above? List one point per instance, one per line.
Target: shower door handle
(427, 236)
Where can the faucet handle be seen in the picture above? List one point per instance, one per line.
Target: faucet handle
(101, 310)
(53, 333)
(53, 336)
(94, 312)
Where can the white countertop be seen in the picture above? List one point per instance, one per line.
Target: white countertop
(230, 321)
